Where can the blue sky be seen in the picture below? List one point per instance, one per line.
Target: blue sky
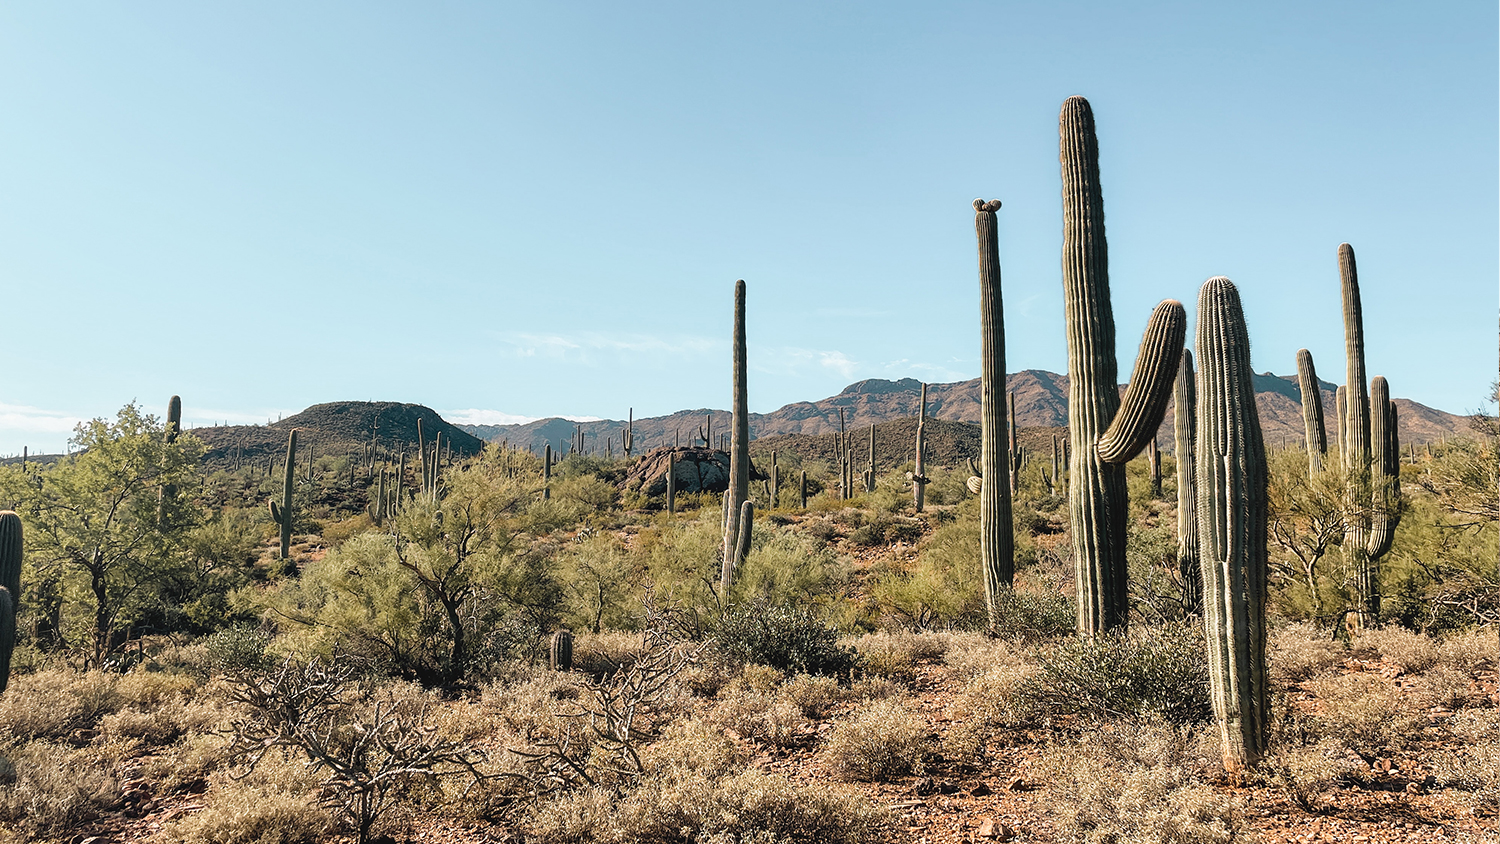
(540, 209)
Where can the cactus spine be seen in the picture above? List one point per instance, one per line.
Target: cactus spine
(561, 656)
(996, 543)
(11, 550)
(1231, 471)
(738, 492)
(283, 514)
(1312, 412)
(1097, 502)
(1184, 427)
(919, 480)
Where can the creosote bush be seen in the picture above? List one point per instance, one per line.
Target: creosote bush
(1161, 672)
(787, 638)
(880, 742)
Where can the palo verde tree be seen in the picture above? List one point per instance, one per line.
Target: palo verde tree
(97, 524)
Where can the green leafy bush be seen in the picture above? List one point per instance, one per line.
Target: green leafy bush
(791, 639)
(1160, 672)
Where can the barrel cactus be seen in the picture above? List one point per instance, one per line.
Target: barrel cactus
(1231, 475)
(1097, 500)
(561, 655)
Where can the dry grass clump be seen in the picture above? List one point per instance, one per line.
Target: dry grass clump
(1140, 783)
(187, 765)
(882, 741)
(815, 695)
(602, 653)
(54, 704)
(1470, 650)
(1473, 767)
(1448, 687)
(1397, 645)
(896, 655)
(1365, 713)
(696, 744)
(695, 807)
(1308, 772)
(971, 654)
(533, 710)
(758, 716)
(986, 706)
(50, 791)
(1300, 651)
(271, 805)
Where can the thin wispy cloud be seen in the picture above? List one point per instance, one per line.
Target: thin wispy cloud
(20, 417)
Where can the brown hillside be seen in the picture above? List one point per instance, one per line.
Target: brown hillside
(345, 427)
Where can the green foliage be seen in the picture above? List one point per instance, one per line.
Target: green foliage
(96, 546)
(597, 575)
(788, 638)
(943, 589)
(1160, 672)
(785, 567)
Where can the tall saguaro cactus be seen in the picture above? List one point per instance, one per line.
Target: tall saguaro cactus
(1097, 501)
(168, 492)
(628, 442)
(919, 480)
(1231, 470)
(283, 514)
(1370, 451)
(739, 454)
(1184, 428)
(11, 548)
(1312, 412)
(996, 542)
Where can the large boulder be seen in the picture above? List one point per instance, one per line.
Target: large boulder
(698, 470)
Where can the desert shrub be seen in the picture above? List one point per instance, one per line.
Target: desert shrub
(187, 765)
(761, 678)
(815, 696)
(1140, 783)
(1028, 615)
(758, 716)
(970, 654)
(1307, 773)
(1412, 651)
(595, 573)
(237, 650)
(532, 710)
(884, 655)
(55, 703)
(1298, 651)
(48, 789)
(1472, 765)
(271, 804)
(696, 808)
(601, 653)
(587, 490)
(882, 741)
(987, 705)
(786, 567)
(1161, 671)
(943, 588)
(788, 638)
(876, 688)
(1365, 713)
(1448, 687)
(694, 744)
(1470, 650)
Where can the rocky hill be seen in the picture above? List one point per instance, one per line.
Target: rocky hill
(341, 427)
(1041, 402)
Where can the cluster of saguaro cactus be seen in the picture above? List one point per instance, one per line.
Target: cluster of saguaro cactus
(11, 549)
(283, 514)
(738, 509)
(996, 542)
(1370, 451)
(1184, 430)
(1097, 502)
(1231, 474)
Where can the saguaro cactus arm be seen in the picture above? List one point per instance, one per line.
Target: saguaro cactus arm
(1312, 412)
(1145, 402)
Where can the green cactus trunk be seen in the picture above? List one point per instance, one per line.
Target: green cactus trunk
(1097, 500)
(996, 541)
(1184, 428)
(1231, 473)
(1316, 438)
(283, 516)
(547, 471)
(12, 548)
(168, 493)
(1369, 446)
(560, 657)
(627, 443)
(918, 479)
(672, 481)
(1013, 451)
(739, 450)
(802, 488)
